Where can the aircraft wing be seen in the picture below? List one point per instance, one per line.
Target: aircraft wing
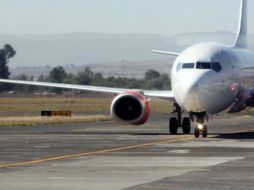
(150, 93)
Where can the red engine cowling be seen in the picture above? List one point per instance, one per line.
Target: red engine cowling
(130, 107)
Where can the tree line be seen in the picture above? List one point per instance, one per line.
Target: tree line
(151, 80)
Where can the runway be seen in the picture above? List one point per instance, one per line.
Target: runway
(110, 156)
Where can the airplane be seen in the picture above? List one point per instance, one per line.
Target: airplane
(207, 78)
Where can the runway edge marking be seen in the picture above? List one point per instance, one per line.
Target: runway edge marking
(32, 162)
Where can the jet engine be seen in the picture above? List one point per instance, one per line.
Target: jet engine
(245, 98)
(130, 107)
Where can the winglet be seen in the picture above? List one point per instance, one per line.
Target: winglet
(241, 40)
(166, 53)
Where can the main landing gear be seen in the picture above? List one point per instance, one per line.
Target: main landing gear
(185, 123)
(177, 122)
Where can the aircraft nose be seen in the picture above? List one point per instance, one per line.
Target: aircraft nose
(192, 88)
(189, 93)
(205, 92)
(192, 99)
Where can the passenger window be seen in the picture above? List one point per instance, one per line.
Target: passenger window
(188, 66)
(216, 67)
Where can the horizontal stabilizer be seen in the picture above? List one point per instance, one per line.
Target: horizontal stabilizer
(166, 52)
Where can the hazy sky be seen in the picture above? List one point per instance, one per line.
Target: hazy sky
(120, 16)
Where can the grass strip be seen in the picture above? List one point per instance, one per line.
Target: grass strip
(36, 120)
(85, 105)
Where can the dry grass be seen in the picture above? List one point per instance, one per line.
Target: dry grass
(38, 104)
(161, 106)
(26, 111)
(36, 120)
(86, 105)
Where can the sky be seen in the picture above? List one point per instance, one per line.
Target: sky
(167, 17)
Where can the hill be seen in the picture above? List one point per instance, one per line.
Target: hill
(102, 51)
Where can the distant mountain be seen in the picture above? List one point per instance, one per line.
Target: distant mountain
(90, 48)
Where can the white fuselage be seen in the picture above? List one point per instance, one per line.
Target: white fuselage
(198, 88)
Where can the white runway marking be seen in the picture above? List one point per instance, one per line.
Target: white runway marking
(108, 173)
(179, 151)
(43, 146)
(212, 143)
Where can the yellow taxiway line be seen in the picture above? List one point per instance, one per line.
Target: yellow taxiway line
(94, 153)
(111, 150)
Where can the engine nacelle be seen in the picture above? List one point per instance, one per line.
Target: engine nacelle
(245, 98)
(130, 107)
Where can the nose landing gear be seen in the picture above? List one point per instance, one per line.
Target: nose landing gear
(200, 127)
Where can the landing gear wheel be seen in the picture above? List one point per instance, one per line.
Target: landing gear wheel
(186, 125)
(204, 134)
(173, 126)
(197, 132)
(203, 130)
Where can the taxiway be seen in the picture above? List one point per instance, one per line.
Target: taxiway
(109, 156)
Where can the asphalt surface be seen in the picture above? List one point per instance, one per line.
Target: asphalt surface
(110, 156)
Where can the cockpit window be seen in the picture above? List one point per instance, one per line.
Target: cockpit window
(216, 67)
(188, 66)
(178, 67)
(203, 65)
(209, 65)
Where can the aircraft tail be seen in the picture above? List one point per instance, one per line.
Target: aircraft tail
(241, 40)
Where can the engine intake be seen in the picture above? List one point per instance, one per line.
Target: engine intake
(130, 107)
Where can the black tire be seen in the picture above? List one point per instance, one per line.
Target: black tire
(173, 126)
(205, 133)
(186, 125)
(197, 133)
